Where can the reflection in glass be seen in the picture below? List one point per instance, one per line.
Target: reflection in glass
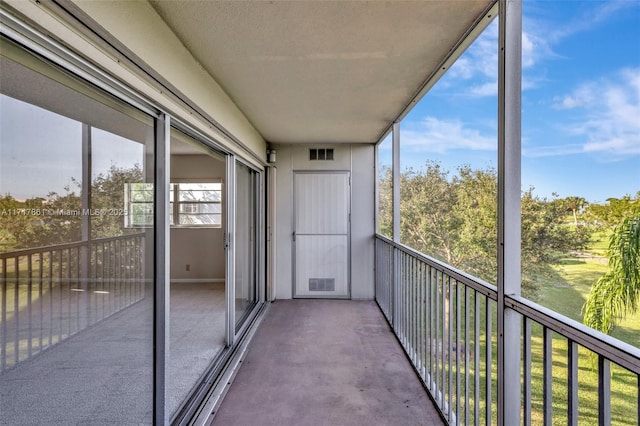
(245, 241)
(76, 323)
(197, 303)
(199, 203)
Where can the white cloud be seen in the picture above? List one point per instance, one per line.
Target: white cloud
(607, 115)
(593, 16)
(552, 150)
(479, 65)
(436, 135)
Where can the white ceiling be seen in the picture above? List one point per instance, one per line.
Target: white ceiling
(321, 71)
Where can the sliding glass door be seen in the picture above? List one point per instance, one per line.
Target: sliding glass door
(246, 247)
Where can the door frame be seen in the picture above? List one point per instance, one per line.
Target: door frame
(294, 295)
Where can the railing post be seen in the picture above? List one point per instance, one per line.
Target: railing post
(509, 149)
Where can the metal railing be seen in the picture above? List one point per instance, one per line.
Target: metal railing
(48, 294)
(446, 323)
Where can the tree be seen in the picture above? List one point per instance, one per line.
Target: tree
(454, 219)
(574, 204)
(107, 196)
(38, 222)
(617, 292)
(615, 210)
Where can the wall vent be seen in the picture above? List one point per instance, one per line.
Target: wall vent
(322, 284)
(320, 154)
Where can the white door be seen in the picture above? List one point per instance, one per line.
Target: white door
(321, 234)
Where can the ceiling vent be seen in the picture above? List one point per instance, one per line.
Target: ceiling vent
(320, 154)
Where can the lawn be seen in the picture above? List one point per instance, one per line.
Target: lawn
(566, 295)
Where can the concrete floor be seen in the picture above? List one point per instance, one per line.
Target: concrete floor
(325, 362)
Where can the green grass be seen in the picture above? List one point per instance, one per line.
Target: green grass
(566, 294)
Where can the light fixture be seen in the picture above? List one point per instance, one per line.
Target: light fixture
(271, 155)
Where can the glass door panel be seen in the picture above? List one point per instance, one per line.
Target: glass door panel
(246, 209)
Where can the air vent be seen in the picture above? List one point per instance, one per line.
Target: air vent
(322, 284)
(320, 154)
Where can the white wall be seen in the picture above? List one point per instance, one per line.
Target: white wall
(358, 159)
(200, 248)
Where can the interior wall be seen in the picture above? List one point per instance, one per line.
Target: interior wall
(200, 248)
(359, 160)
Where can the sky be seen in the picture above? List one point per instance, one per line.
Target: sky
(580, 103)
(580, 112)
(38, 159)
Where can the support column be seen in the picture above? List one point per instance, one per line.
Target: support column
(509, 198)
(396, 182)
(395, 172)
(161, 244)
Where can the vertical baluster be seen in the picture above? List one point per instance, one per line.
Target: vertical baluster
(80, 286)
(450, 305)
(412, 280)
(111, 293)
(572, 385)
(488, 366)
(604, 391)
(384, 278)
(121, 294)
(399, 293)
(431, 331)
(50, 285)
(41, 299)
(437, 341)
(103, 272)
(458, 344)
(392, 289)
(410, 309)
(466, 354)
(405, 304)
(69, 292)
(29, 305)
(16, 310)
(443, 332)
(3, 343)
(527, 371)
(476, 365)
(423, 322)
(547, 340)
(60, 296)
(91, 280)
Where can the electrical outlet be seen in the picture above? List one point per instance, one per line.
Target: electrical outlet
(188, 267)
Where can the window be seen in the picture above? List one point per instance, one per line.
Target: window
(197, 204)
(192, 204)
(138, 200)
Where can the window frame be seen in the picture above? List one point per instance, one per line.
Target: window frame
(175, 205)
